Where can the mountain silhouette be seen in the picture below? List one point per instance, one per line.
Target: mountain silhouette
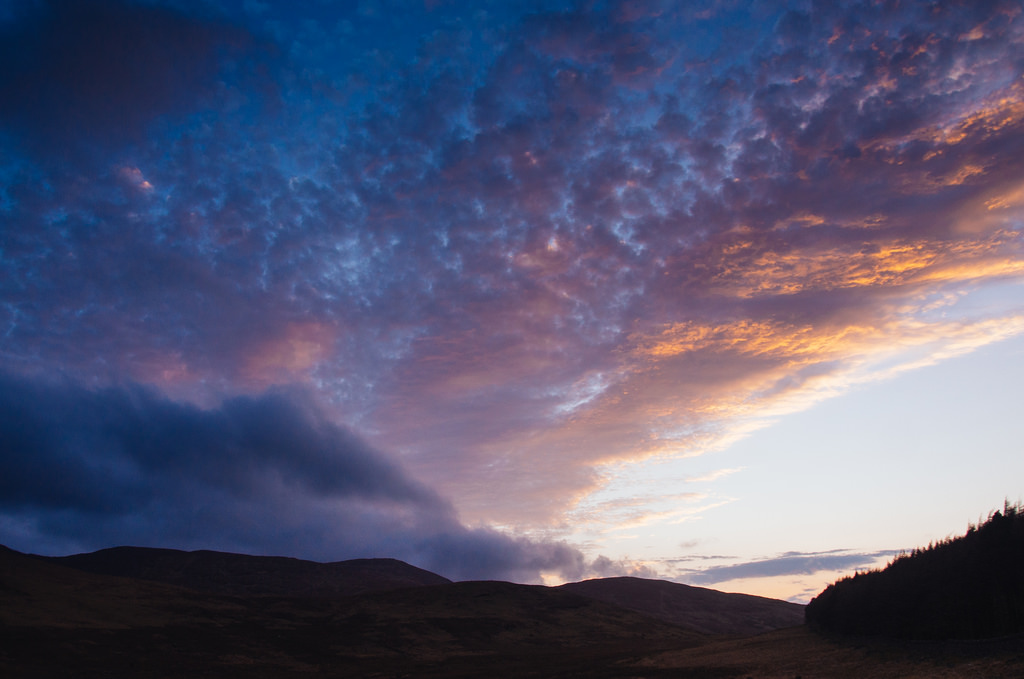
(56, 620)
(241, 574)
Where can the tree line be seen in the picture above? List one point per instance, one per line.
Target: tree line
(967, 587)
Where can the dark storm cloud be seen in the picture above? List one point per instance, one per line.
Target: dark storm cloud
(66, 447)
(488, 554)
(82, 469)
(74, 75)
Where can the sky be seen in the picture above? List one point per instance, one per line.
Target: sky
(726, 293)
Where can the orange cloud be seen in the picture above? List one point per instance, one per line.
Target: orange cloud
(755, 338)
(1000, 110)
(893, 264)
(132, 176)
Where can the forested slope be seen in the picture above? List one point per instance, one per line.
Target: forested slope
(969, 587)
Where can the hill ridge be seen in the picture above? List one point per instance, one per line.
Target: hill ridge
(701, 609)
(697, 609)
(243, 574)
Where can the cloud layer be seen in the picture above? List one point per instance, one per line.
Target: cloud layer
(513, 247)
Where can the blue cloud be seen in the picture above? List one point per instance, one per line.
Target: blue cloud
(83, 469)
(790, 563)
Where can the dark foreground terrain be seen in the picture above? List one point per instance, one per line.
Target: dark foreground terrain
(59, 621)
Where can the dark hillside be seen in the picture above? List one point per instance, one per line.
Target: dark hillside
(241, 574)
(970, 587)
(56, 621)
(703, 610)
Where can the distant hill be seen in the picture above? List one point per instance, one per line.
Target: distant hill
(60, 621)
(241, 574)
(969, 587)
(39, 594)
(703, 610)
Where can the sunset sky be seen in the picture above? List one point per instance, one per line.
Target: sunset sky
(727, 293)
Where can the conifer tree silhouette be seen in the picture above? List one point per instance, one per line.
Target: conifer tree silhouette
(969, 587)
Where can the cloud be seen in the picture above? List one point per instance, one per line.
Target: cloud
(603, 567)
(713, 476)
(84, 469)
(77, 74)
(512, 248)
(790, 563)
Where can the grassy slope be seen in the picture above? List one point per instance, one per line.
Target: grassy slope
(799, 652)
(697, 608)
